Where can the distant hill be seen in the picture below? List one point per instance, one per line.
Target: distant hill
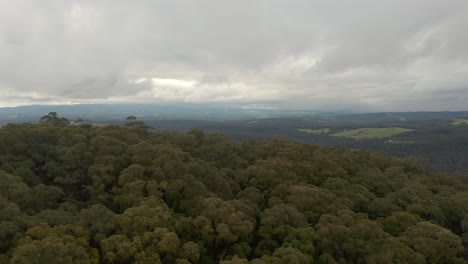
(118, 112)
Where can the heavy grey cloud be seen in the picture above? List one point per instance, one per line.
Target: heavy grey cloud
(368, 55)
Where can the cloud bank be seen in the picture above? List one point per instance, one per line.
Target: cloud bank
(364, 55)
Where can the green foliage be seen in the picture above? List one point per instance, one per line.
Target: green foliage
(128, 194)
(62, 244)
(52, 119)
(435, 243)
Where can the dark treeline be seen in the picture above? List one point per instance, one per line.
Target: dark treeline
(129, 194)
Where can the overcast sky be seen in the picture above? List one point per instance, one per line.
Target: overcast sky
(394, 55)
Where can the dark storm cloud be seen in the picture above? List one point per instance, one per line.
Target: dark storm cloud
(370, 55)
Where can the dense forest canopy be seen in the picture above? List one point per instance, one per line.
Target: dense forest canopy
(71, 192)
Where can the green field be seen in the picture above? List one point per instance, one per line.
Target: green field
(362, 133)
(314, 131)
(460, 121)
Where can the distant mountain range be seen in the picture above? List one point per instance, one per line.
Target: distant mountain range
(118, 112)
(93, 112)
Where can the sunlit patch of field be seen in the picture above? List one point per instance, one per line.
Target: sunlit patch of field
(314, 131)
(460, 121)
(362, 133)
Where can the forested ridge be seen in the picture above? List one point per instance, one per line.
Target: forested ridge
(78, 193)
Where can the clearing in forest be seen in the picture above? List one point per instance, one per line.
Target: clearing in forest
(314, 131)
(460, 121)
(380, 132)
